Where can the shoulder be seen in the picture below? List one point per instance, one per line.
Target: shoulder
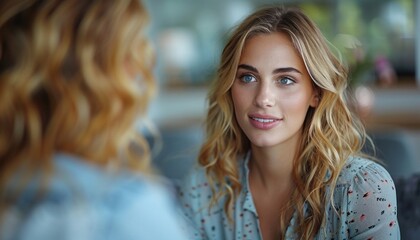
(76, 178)
(363, 182)
(194, 190)
(359, 170)
(111, 191)
(366, 196)
(141, 207)
(85, 200)
(194, 181)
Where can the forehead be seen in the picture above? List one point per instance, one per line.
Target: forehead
(271, 48)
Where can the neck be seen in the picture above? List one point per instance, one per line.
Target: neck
(272, 168)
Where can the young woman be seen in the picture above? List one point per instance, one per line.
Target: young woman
(74, 77)
(282, 158)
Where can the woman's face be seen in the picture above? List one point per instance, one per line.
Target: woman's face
(272, 91)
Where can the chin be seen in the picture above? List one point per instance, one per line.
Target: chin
(263, 143)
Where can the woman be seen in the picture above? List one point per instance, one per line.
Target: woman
(282, 158)
(74, 78)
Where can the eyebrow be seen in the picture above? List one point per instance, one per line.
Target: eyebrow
(275, 71)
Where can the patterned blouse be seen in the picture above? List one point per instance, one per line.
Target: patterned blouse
(365, 199)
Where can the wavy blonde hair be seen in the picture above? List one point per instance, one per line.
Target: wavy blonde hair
(331, 133)
(74, 78)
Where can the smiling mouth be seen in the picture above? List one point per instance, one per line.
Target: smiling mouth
(263, 120)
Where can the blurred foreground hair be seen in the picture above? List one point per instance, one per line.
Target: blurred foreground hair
(74, 78)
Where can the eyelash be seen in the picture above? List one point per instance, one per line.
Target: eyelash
(279, 80)
(286, 78)
(242, 78)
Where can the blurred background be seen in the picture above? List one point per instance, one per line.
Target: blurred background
(378, 39)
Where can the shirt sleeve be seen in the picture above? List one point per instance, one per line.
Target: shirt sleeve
(147, 214)
(372, 205)
(190, 193)
(129, 210)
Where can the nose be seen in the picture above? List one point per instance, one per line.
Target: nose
(265, 96)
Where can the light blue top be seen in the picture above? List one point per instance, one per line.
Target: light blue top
(84, 203)
(365, 199)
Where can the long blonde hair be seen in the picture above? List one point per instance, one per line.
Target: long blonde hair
(331, 133)
(74, 78)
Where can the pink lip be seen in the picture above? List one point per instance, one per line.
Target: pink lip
(263, 121)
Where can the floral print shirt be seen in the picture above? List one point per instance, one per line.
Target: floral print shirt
(365, 199)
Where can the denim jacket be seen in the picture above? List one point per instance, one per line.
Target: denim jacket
(84, 203)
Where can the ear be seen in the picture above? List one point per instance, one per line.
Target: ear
(316, 97)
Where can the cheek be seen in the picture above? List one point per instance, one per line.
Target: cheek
(297, 105)
(239, 99)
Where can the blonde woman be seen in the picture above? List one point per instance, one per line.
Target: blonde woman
(75, 76)
(282, 157)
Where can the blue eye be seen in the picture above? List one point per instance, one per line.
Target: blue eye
(286, 81)
(247, 78)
